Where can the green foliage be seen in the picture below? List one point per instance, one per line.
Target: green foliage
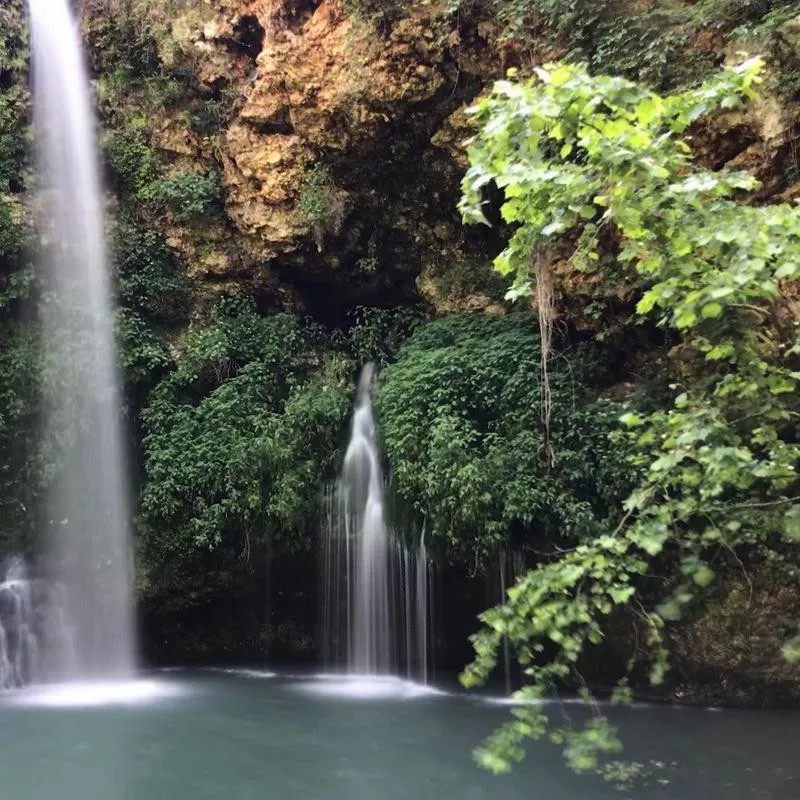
(134, 56)
(460, 421)
(19, 356)
(143, 354)
(14, 133)
(13, 37)
(239, 438)
(124, 41)
(776, 36)
(131, 159)
(322, 204)
(14, 239)
(653, 46)
(730, 14)
(135, 169)
(652, 42)
(603, 162)
(377, 12)
(13, 136)
(572, 21)
(377, 333)
(15, 288)
(19, 393)
(153, 296)
(149, 281)
(206, 116)
(190, 195)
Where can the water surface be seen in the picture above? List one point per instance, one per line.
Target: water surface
(248, 736)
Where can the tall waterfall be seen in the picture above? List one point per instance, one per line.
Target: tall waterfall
(88, 514)
(375, 589)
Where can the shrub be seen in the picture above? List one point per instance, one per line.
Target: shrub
(460, 418)
(149, 281)
(190, 195)
(322, 204)
(239, 438)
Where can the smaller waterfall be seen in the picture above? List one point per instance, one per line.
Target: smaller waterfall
(362, 490)
(35, 637)
(506, 648)
(511, 566)
(375, 589)
(423, 605)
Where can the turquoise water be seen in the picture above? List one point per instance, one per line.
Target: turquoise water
(246, 736)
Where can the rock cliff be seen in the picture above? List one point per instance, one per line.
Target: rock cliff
(338, 142)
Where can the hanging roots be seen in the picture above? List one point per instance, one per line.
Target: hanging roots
(545, 309)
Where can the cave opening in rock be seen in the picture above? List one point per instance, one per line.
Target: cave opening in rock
(248, 36)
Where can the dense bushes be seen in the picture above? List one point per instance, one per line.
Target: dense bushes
(19, 473)
(460, 415)
(322, 203)
(239, 438)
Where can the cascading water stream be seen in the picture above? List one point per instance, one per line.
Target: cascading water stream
(375, 590)
(362, 489)
(35, 635)
(87, 514)
(422, 579)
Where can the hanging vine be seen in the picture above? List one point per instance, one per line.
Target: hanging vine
(545, 310)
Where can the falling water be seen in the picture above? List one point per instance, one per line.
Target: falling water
(375, 590)
(87, 513)
(506, 648)
(511, 566)
(35, 635)
(423, 576)
(362, 486)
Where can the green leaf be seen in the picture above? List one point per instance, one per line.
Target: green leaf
(791, 524)
(703, 576)
(711, 311)
(647, 303)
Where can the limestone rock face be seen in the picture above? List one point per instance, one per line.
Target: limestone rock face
(335, 84)
(305, 86)
(262, 174)
(302, 86)
(320, 84)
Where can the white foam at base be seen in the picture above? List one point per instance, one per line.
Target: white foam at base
(510, 700)
(244, 673)
(365, 687)
(94, 694)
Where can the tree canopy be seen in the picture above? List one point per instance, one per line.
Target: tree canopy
(607, 165)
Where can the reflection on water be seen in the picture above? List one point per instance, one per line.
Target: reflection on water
(251, 735)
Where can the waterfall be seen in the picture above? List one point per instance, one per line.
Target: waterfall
(423, 577)
(35, 636)
(87, 511)
(511, 567)
(362, 497)
(375, 588)
(506, 647)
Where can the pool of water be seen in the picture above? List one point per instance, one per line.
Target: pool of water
(251, 735)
